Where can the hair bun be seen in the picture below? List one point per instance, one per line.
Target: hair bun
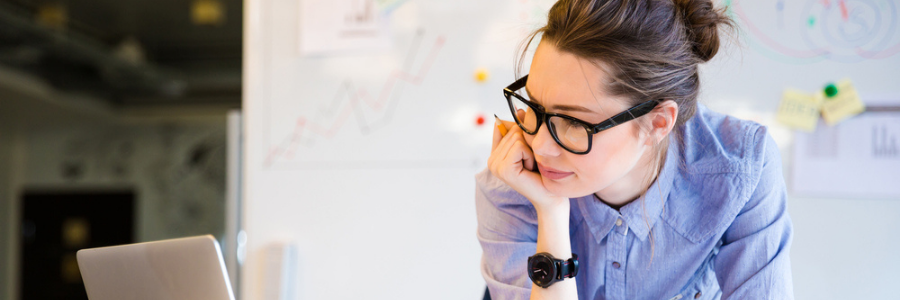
(702, 21)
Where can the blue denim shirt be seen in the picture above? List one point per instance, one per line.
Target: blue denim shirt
(714, 225)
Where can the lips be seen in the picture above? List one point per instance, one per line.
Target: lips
(553, 173)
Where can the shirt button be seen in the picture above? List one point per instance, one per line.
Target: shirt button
(697, 295)
(618, 222)
(616, 265)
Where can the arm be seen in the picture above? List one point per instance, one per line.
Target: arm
(510, 232)
(553, 237)
(510, 229)
(754, 262)
(507, 232)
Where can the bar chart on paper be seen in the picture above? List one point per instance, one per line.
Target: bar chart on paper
(859, 158)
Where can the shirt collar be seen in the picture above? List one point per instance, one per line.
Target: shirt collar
(639, 215)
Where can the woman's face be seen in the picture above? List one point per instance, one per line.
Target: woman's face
(566, 84)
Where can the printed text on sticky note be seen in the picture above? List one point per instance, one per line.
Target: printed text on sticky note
(843, 105)
(799, 110)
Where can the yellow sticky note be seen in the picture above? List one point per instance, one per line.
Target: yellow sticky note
(844, 104)
(799, 110)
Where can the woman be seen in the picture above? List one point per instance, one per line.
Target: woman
(613, 166)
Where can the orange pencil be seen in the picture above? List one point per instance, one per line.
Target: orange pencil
(500, 126)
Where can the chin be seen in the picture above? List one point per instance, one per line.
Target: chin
(564, 189)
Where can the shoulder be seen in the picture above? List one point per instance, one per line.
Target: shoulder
(713, 142)
(719, 159)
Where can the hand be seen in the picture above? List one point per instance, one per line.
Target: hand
(512, 161)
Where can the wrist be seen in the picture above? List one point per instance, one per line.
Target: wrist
(553, 230)
(554, 207)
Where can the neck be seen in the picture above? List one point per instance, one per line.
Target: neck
(635, 182)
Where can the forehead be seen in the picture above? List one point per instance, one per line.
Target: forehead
(561, 78)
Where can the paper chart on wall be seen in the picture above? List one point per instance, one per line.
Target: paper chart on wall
(858, 158)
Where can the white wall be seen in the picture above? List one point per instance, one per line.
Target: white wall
(845, 248)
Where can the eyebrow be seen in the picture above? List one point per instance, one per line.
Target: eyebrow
(561, 107)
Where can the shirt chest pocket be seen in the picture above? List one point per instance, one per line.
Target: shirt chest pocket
(701, 212)
(704, 286)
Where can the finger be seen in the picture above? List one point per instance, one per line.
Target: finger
(509, 124)
(499, 151)
(513, 162)
(509, 155)
(505, 144)
(520, 114)
(522, 154)
(528, 160)
(497, 136)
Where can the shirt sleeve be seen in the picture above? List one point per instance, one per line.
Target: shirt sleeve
(507, 231)
(753, 261)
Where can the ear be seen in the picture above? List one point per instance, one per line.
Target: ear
(662, 121)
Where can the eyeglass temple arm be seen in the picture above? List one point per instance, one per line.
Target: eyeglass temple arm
(518, 84)
(628, 115)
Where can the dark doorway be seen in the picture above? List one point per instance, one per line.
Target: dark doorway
(56, 224)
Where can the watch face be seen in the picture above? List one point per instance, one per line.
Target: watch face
(542, 270)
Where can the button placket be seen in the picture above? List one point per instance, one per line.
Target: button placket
(621, 227)
(616, 261)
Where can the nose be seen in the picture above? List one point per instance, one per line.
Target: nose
(543, 143)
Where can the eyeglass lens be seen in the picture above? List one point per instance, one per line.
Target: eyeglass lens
(570, 134)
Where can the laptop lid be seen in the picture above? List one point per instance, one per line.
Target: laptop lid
(185, 268)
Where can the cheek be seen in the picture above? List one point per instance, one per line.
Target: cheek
(529, 139)
(612, 156)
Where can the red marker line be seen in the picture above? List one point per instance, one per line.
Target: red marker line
(739, 10)
(287, 150)
(844, 10)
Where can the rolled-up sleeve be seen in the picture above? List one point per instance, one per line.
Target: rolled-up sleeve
(753, 261)
(507, 231)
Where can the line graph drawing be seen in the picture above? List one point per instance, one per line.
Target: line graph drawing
(354, 101)
(846, 31)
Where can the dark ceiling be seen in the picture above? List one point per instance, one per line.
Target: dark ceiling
(127, 52)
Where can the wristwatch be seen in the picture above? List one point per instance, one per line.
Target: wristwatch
(544, 269)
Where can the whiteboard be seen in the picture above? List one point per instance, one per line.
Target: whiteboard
(364, 160)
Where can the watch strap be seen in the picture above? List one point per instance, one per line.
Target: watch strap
(567, 268)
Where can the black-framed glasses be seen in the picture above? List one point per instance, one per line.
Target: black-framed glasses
(569, 132)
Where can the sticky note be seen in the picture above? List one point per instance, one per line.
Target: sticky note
(843, 105)
(799, 110)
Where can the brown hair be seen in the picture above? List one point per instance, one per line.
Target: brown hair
(650, 48)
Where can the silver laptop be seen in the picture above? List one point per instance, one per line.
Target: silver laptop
(186, 268)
